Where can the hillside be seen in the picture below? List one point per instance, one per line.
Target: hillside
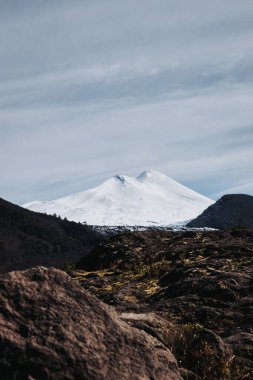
(28, 239)
(230, 210)
(151, 199)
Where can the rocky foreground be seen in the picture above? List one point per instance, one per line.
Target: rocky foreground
(51, 328)
(192, 290)
(180, 306)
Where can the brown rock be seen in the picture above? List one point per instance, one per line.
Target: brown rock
(50, 328)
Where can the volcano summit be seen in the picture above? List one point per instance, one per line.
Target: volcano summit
(151, 199)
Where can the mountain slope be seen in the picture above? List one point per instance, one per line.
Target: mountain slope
(150, 199)
(28, 239)
(228, 211)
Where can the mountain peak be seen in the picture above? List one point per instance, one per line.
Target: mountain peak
(120, 178)
(152, 198)
(148, 174)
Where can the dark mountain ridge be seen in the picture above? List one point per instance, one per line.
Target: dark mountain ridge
(230, 210)
(29, 239)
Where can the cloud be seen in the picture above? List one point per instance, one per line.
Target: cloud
(88, 89)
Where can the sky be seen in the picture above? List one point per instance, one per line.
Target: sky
(89, 89)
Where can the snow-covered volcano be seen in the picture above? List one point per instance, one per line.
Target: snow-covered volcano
(150, 199)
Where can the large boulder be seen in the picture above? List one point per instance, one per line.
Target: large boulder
(51, 328)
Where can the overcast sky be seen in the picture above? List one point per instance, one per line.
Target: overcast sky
(89, 89)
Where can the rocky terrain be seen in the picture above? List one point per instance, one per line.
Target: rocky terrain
(230, 210)
(147, 304)
(51, 328)
(28, 239)
(191, 290)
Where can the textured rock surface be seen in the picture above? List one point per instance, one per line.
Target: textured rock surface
(192, 290)
(51, 328)
(230, 210)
